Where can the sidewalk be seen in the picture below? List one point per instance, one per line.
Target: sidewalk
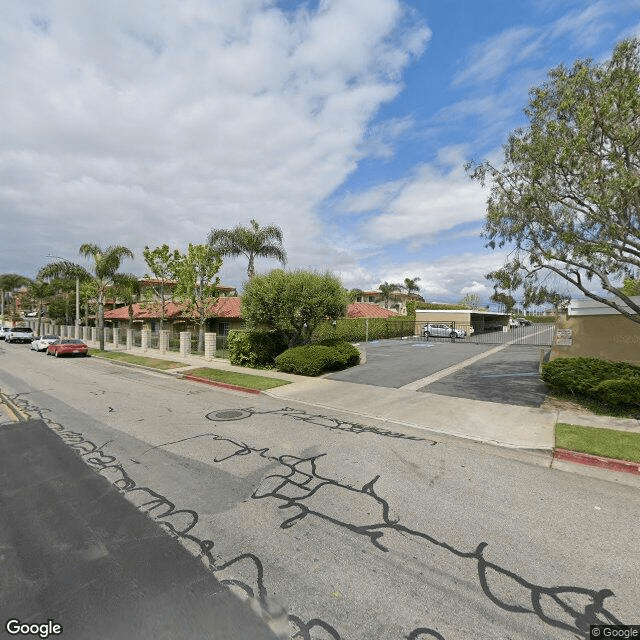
(504, 425)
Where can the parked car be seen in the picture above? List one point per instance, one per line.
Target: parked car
(442, 330)
(18, 334)
(513, 323)
(524, 322)
(67, 347)
(41, 343)
(3, 332)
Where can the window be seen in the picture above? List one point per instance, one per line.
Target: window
(223, 328)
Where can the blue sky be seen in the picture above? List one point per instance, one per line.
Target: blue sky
(345, 123)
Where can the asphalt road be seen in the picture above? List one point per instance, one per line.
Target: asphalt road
(359, 532)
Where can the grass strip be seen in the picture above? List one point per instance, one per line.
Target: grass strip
(155, 363)
(608, 443)
(239, 379)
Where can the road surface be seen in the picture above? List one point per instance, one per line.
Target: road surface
(361, 530)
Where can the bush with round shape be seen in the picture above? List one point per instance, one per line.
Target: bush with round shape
(308, 360)
(349, 355)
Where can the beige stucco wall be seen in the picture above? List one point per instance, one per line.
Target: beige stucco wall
(610, 337)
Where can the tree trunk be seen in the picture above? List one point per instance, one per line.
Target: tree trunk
(201, 334)
(101, 323)
(39, 312)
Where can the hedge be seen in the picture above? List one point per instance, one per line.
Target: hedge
(355, 329)
(613, 383)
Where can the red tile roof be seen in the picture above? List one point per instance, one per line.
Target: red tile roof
(223, 308)
(368, 310)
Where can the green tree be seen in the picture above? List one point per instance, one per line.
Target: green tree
(89, 297)
(293, 303)
(38, 294)
(253, 242)
(471, 301)
(504, 299)
(567, 196)
(9, 285)
(387, 290)
(411, 286)
(104, 273)
(631, 287)
(128, 290)
(162, 264)
(197, 284)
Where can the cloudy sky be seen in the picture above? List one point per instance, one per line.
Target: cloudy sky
(346, 123)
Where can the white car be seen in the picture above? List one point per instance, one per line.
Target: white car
(442, 331)
(41, 343)
(3, 332)
(18, 334)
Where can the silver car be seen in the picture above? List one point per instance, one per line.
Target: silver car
(442, 331)
(41, 343)
(18, 334)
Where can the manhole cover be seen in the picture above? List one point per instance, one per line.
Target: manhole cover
(230, 414)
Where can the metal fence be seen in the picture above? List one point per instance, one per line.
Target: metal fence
(536, 334)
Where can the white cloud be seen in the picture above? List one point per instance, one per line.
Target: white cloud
(444, 279)
(495, 55)
(435, 198)
(478, 288)
(133, 124)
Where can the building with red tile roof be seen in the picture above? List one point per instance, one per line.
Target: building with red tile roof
(369, 310)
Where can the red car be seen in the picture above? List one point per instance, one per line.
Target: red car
(67, 347)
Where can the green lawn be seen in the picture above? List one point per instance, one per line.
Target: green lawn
(239, 379)
(608, 443)
(156, 363)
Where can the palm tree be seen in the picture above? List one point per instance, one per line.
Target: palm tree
(9, 283)
(128, 290)
(104, 273)
(387, 289)
(252, 242)
(411, 286)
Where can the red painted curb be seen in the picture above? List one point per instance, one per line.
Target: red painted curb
(597, 461)
(224, 385)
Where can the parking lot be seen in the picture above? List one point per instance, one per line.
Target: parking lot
(495, 373)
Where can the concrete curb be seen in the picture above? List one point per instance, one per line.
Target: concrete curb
(610, 464)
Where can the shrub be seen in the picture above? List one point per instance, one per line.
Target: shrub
(254, 348)
(308, 360)
(609, 382)
(349, 355)
(355, 329)
(619, 391)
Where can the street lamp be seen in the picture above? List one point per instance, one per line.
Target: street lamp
(77, 288)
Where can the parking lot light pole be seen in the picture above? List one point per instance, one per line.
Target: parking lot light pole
(77, 322)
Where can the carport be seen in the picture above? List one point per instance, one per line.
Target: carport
(471, 320)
